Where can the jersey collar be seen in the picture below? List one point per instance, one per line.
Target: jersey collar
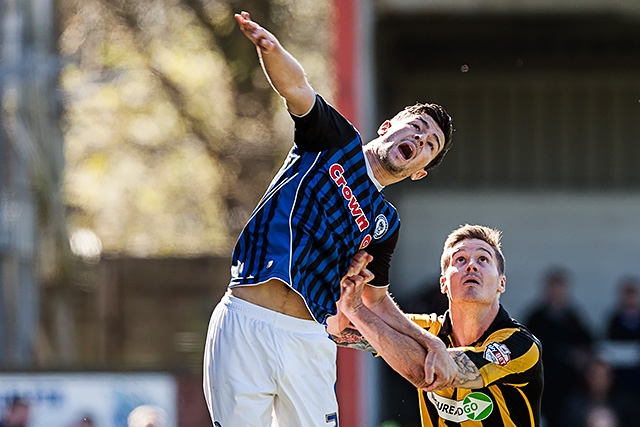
(371, 176)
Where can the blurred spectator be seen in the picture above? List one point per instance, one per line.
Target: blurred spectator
(16, 413)
(598, 399)
(566, 343)
(624, 323)
(601, 416)
(147, 416)
(624, 328)
(427, 299)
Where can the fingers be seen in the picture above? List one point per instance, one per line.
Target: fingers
(352, 284)
(429, 369)
(367, 275)
(351, 291)
(439, 370)
(438, 383)
(243, 19)
(356, 280)
(337, 323)
(254, 32)
(359, 261)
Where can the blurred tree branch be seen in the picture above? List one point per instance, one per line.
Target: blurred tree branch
(154, 86)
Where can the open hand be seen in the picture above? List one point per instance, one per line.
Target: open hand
(254, 32)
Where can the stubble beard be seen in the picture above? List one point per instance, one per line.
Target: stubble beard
(387, 164)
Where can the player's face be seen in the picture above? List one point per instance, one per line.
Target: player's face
(472, 274)
(408, 145)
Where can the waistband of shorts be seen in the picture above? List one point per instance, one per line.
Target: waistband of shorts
(277, 319)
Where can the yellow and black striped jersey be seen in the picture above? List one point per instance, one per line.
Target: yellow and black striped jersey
(508, 357)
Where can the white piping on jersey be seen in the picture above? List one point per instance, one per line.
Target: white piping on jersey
(310, 108)
(370, 173)
(271, 193)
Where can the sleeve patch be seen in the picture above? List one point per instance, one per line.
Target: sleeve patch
(497, 353)
(382, 225)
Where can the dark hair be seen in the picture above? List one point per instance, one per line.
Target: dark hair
(628, 283)
(480, 232)
(442, 119)
(556, 275)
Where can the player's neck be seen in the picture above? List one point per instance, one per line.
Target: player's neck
(470, 321)
(379, 172)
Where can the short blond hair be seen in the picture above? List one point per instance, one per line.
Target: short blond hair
(468, 231)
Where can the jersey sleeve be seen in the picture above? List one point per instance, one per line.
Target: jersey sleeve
(507, 356)
(381, 264)
(322, 128)
(426, 321)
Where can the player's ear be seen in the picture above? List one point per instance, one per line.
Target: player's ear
(384, 127)
(503, 284)
(419, 174)
(443, 285)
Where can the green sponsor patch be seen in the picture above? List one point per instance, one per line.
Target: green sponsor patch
(477, 406)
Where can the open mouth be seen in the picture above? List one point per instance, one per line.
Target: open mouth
(471, 281)
(407, 150)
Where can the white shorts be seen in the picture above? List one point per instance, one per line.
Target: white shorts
(263, 368)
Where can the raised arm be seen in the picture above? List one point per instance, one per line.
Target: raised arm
(283, 71)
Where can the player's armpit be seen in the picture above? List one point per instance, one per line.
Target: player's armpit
(351, 338)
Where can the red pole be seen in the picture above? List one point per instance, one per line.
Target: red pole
(345, 62)
(348, 388)
(345, 57)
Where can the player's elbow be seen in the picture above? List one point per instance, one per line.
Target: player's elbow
(298, 98)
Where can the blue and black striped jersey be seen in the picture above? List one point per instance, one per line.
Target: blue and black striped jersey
(317, 212)
(508, 358)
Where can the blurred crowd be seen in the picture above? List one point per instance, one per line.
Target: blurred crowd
(590, 379)
(17, 412)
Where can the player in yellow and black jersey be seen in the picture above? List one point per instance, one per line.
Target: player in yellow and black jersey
(507, 357)
(498, 377)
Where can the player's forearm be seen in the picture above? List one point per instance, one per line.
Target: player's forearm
(283, 71)
(401, 352)
(395, 318)
(287, 77)
(467, 375)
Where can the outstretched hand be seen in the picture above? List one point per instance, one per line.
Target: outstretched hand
(254, 32)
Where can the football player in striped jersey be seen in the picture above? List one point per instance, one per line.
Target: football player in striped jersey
(499, 375)
(269, 358)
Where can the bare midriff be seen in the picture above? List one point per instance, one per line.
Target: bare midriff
(274, 295)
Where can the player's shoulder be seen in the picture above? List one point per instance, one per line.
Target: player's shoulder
(425, 321)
